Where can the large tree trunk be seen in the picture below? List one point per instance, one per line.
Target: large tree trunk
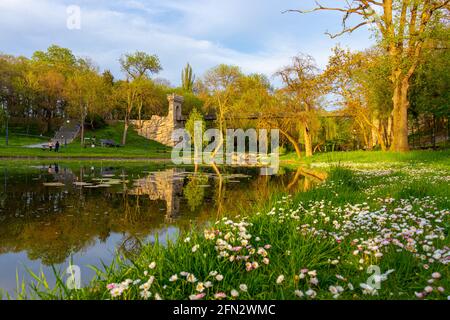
(82, 132)
(381, 140)
(400, 116)
(294, 143)
(366, 139)
(83, 118)
(448, 128)
(125, 130)
(377, 134)
(308, 142)
(139, 114)
(433, 132)
(390, 129)
(364, 133)
(375, 130)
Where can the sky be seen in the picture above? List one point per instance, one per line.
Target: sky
(253, 34)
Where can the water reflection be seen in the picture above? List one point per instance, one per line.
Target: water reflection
(54, 212)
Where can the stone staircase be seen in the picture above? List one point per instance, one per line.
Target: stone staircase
(67, 133)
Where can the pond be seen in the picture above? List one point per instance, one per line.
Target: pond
(51, 214)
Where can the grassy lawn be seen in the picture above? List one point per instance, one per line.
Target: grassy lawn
(17, 140)
(435, 157)
(375, 229)
(136, 146)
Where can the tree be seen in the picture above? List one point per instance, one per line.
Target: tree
(4, 120)
(52, 69)
(84, 91)
(253, 97)
(273, 116)
(51, 87)
(361, 80)
(58, 59)
(137, 67)
(26, 85)
(7, 73)
(305, 85)
(125, 95)
(187, 79)
(404, 26)
(162, 82)
(194, 116)
(219, 89)
(108, 78)
(140, 64)
(104, 109)
(151, 97)
(430, 87)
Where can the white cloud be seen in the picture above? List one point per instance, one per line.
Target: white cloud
(252, 34)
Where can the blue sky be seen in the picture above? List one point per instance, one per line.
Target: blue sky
(252, 34)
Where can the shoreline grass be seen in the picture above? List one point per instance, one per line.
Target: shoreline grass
(318, 244)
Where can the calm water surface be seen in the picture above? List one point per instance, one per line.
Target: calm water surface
(53, 213)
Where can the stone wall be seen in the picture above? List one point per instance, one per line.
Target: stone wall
(160, 128)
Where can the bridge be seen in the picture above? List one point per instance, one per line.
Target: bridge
(160, 128)
(256, 116)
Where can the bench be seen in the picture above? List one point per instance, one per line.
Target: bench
(108, 143)
(47, 147)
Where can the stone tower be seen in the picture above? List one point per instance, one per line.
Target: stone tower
(160, 128)
(174, 114)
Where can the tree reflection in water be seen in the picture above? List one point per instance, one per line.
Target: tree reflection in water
(52, 222)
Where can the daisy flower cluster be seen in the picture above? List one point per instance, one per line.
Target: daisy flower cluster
(414, 225)
(433, 285)
(307, 278)
(233, 242)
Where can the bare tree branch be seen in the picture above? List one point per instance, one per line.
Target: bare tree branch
(320, 7)
(362, 8)
(347, 30)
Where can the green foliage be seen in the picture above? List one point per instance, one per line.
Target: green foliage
(194, 191)
(195, 116)
(282, 150)
(57, 58)
(140, 64)
(430, 90)
(108, 78)
(334, 134)
(85, 92)
(3, 118)
(187, 79)
(253, 96)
